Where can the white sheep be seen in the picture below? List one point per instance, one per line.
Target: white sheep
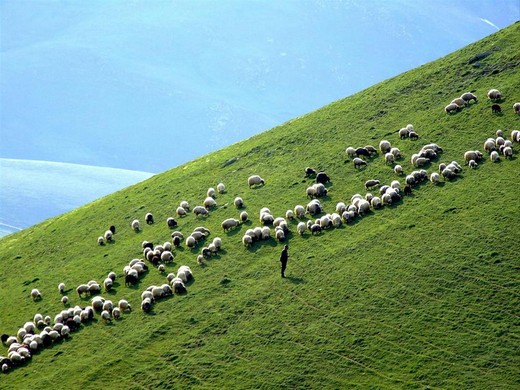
(385, 146)
(472, 155)
(375, 202)
(301, 228)
(351, 152)
(459, 102)
(181, 212)
(136, 225)
(105, 315)
(64, 299)
(435, 177)
(221, 188)
(101, 240)
(239, 202)
(247, 240)
(468, 96)
(403, 133)
(371, 183)
(108, 236)
(452, 107)
(299, 211)
(200, 210)
(185, 205)
(398, 169)
(396, 152)
(389, 158)
(289, 214)
(255, 180)
(107, 284)
(489, 145)
(209, 202)
(494, 94)
(211, 193)
(358, 162)
(363, 206)
(280, 235)
(167, 256)
(116, 313)
(35, 294)
(230, 223)
(217, 241)
(61, 288)
(472, 164)
(507, 152)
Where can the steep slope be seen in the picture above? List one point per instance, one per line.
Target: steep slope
(423, 293)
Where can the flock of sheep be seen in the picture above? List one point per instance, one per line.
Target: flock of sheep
(42, 332)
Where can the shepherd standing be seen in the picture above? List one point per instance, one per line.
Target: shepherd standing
(284, 256)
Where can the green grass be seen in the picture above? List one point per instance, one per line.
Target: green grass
(423, 294)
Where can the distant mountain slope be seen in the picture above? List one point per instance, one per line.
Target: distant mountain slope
(420, 294)
(32, 191)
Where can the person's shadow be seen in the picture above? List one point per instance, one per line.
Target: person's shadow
(295, 280)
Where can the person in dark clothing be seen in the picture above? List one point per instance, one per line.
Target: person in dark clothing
(284, 256)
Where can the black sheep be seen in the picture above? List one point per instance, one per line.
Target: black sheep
(171, 222)
(362, 152)
(496, 109)
(130, 280)
(322, 178)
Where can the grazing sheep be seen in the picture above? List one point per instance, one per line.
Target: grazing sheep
(351, 152)
(299, 211)
(148, 218)
(315, 229)
(376, 203)
(459, 102)
(413, 136)
(489, 145)
(255, 180)
(363, 207)
(398, 169)
(389, 158)
(314, 207)
(421, 161)
(322, 178)
(362, 152)
(410, 180)
(468, 96)
(496, 109)
(108, 236)
(358, 162)
(370, 149)
(301, 228)
(508, 152)
(310, 172)
(494, 94)
(500, 141)
(101, 240)
(396, 152)
(64, 299)
(135, 225)
(146, 305)
(35, 294)
(289, 214)
(209, 203)
(178, 286)
(211, 193)
(185, 205)
(247, 240)
(472, 164)
(435, 177)
(61, 288)
(500, 133)
(239, 202)
(105, 315)
(403, 133)
(244, 216)
(385, 146)
(112, 228)
(181, 212)
(452, 107)
(230, 223)
(515, 136)
(473, 155)
(448, 174)
(395, 185)
(316, 190)
(116, 313)
(221, 188)
(171, 222)
(200, 210)
(516, 108)
(107, 284)
(371, 183)
(217, 241)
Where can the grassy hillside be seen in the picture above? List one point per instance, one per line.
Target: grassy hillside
(422, 294)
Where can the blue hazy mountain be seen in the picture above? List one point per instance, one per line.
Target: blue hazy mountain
(32, 191)
(149, 85)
